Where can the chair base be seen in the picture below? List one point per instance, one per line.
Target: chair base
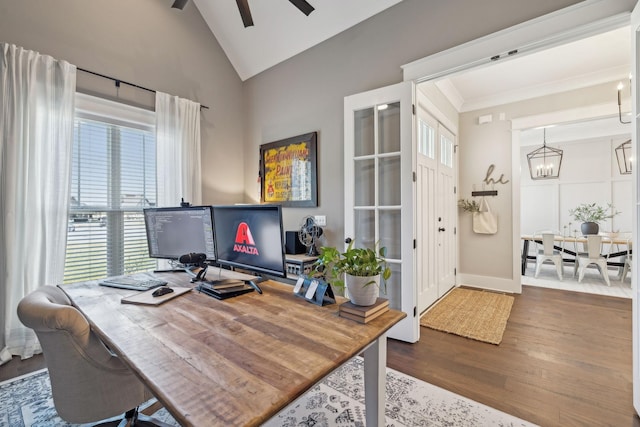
(135, 418)
(583, 263)
(540, 259)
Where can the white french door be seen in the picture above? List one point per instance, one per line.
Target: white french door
(379, 189)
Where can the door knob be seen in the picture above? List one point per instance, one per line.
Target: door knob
(440, 229)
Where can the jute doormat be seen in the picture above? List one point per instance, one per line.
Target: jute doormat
(479, 315)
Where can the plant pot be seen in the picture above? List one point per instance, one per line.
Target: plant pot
(363, 290)
(589, 228)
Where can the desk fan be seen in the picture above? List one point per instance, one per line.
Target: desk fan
(309, 233)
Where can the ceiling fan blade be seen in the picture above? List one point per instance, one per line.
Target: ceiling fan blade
(303, 5)
(180, 4)
(245, 13)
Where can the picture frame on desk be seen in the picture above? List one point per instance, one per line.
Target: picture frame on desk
(288, 171)
(314, 290)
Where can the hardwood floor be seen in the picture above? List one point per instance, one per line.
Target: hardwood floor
(565, 360)
(16, 367)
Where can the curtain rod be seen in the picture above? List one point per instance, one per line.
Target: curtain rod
(118, 81)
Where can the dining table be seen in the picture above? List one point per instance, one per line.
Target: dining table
(622, 245)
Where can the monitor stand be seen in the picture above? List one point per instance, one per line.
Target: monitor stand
(224, 288)
(229, 283)
(254, 284)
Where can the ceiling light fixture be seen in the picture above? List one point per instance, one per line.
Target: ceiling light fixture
(620, 87)
(545, 162)
(623, 155)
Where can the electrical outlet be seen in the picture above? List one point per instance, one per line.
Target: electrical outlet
(321, 220)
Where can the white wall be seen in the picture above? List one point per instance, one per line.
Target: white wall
(589, 174)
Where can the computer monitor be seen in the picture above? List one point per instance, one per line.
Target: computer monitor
(176, 231)
(250, 237)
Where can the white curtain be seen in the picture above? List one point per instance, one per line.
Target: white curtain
(36, 138)
(178, 150)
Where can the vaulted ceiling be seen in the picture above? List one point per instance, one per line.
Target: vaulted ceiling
(280, 30)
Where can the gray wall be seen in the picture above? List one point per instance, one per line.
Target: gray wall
(306, 92)
(148, 43)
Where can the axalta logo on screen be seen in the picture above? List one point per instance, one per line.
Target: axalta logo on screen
(244, 240)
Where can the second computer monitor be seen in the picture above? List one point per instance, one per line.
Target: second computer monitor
(176, 231)
(250, 237)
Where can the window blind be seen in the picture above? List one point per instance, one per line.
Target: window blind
(113, 180)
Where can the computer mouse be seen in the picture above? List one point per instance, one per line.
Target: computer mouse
(162, 291)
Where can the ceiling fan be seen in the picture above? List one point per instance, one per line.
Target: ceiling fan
(179, 4)
(245, 13)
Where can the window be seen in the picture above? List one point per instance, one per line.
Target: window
(113, 179)
(446, 151)
(426, 139)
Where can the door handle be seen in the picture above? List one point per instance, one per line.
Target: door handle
(440, 228)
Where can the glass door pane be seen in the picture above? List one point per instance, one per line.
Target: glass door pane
(378, 131)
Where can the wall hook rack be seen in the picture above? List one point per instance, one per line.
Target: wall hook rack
(484, 193)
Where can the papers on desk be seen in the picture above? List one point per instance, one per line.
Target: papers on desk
(147, 297)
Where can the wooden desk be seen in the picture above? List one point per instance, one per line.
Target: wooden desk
(239, 361)
(620, 241)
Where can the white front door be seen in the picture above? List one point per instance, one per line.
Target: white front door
(426, 210)
(446, 205)
(379, 189)
(435, 208)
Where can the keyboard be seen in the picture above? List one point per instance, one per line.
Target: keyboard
(137, 282)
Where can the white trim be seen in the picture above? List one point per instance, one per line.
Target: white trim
(565, 116)
(584, 19)
(89, 106)
(487, 282)
(430, 107)
(635, 70)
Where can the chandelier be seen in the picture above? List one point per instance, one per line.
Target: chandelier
(623, 155)
(545, 162)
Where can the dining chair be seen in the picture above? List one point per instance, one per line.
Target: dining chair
(546, 251)
(628, 261)
(595, 255)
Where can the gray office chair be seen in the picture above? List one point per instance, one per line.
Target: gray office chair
(88, 382)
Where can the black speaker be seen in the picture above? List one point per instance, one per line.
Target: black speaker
(292, 244)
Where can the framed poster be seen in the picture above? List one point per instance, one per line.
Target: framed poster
(288, 171)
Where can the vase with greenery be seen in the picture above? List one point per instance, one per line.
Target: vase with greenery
(469, 205)
(591, 215)
(360, 270)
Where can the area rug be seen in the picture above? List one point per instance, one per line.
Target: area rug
(337, 401)
(475, 314)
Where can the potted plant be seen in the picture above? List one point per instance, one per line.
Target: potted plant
(362, 269)
(591, 214)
